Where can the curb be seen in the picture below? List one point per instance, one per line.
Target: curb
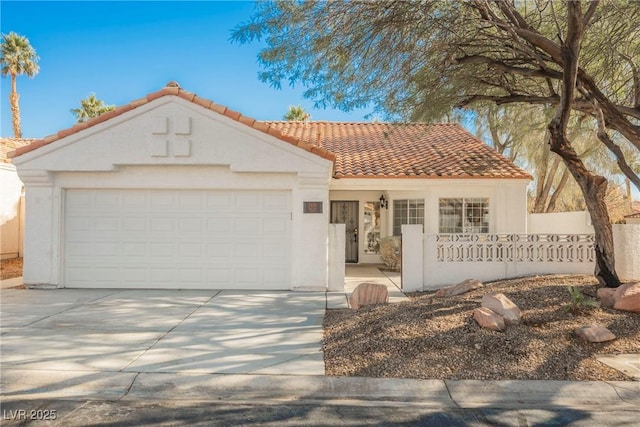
(28, 385)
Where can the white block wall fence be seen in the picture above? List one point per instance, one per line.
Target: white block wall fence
(431, 261)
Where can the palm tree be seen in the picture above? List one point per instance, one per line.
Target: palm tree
(17, 57)
(90, 107)
(297, 114)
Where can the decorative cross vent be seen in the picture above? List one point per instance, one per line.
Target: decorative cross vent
(169, 136)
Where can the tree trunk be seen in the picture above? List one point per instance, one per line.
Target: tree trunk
(545, 182)
(551, 207)
(594, 189)
(15, 108)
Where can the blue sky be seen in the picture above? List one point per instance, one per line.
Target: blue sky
(124, 50)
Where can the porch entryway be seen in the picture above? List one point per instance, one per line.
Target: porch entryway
(346, 212)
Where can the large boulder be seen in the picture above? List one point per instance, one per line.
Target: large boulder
(489, 319)
(627, 297)
(460, 288)
(605, 296)
(368, 294)
(594, 333)
(503, 306)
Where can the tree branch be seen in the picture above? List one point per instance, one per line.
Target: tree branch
(606, 140)
(586, 19)
(492, 63)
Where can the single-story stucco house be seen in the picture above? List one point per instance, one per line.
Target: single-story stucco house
(175, 191)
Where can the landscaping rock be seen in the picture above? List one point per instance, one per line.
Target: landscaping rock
(605, 296)
(594, 333)
(627, 297)
(368, 294)
(503, 306)
(460, 288)
(489, 319)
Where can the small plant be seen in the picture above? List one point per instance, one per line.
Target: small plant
(578, 301)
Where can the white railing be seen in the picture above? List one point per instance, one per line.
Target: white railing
(431, 261)
(515, 248)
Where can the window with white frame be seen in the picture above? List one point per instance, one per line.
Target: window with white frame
(464, 215)
(409, 211)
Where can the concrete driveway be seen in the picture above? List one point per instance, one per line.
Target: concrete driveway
(239, 332)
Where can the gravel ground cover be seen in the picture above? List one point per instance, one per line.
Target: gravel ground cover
(438, 338)
(10, 268)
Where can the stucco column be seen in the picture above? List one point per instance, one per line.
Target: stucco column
(412, 257)
(626, 240)
(311, 253)
(336, 257)
(39, 229)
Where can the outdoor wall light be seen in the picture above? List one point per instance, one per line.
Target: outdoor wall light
(384, 203)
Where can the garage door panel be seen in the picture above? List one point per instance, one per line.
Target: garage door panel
(247, 201)
(190, 250)
(107, 249)
(134, 199)
(247, 225)
(162, 249)
(219, 225)
(134, 223)
(177, 239)
(247, 249)
(275, 225)
(276, 202)
(190, 225)
(163, 275)
(134, 249)
(108, 202)
(164, 200)
(191, 200)
(219, 201)
(135, 275)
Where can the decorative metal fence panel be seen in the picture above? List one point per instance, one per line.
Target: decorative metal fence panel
(561, 248)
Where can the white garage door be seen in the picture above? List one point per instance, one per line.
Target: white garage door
(177, 239)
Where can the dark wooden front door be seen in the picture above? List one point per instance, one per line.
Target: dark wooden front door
(347, 213)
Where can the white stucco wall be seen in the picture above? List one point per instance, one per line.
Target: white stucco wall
(507, 201)
(11, 203)
(12, 234)
(560, 223)
(170, 143)
(626, 239)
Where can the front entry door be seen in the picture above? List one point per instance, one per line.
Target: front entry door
(347, 213)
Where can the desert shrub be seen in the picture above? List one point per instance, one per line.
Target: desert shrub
(390, 252)
(578, 301)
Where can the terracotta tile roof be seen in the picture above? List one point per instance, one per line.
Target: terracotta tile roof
(388, 150)
(359, 150)
(174, 89)
(7, 145)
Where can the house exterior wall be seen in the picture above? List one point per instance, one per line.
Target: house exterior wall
(507, 201)
(560, 223)
(172, 144)
(11, 234)
(11, 209)
(626, 241)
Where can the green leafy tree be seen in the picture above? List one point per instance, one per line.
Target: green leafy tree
(17, 57)
(90, 107)
(296, 114)
(419, 60)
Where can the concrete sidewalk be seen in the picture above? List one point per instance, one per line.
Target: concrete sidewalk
(359, 273)
(24, 385)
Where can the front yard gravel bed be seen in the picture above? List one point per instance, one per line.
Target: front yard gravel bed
(438, 338)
